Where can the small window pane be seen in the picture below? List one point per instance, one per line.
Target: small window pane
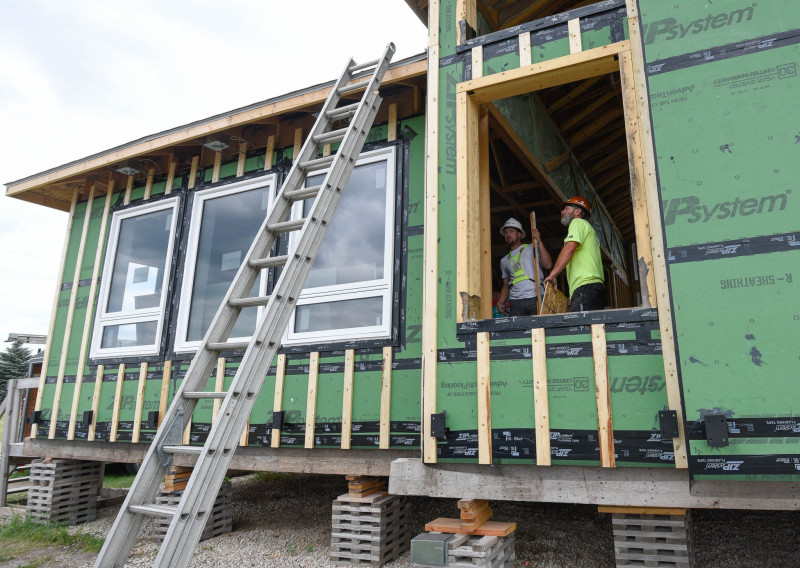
(138, 276)
(345, 314)
(129, 335)
(354, 245)
(229, 225)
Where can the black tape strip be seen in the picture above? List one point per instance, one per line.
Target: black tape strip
(778, 464)
(50, 380)
(416, 230)
(777, 427)
(81, 433)
(576, 320)
(724, 52)
(735, 248)
(514, 444)
(558, 351)
(454, 59)
(410, 427)
(124, 436)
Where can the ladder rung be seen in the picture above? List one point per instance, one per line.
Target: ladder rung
(248, 302)
(330, 137)
(287, 226)
(360, 66)
(227, 346)
(302, 193)
(320, 163)
(354, 86)
(269, 261)
(195, 450)
(154, 510)
(205, 394)
(341, 111)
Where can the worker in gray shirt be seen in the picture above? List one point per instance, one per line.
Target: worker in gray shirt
(516, 270)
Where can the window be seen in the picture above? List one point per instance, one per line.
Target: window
(224, 223)
(130, 312)
(348, 291)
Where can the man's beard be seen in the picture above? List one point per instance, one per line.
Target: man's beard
(566, 219)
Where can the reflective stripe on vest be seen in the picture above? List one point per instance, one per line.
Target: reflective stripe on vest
(516, 265)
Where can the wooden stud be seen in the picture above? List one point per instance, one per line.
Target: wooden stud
(148, 186)
(98, 386)
(270, 153)
(484, 399)
(525, 57)
(477, 62)
(163, 398)
(384, 440)
(431, 247)
(298, 143)
(193, 172)
(76, 278)
(173, 165)
(566, 69)
(541, 406)
(391, 126)
(87, 324)
(574, 28)
(217, 166)
(326, 150)
(311, 400)
(277, 403)
(347, 397)
(244, 441)
(466, 10)
(484, 217)
(603, 396)
(137, 413)
(126, 200)
(54, 312)
(660, 279)
(219, 386)
(242, 159)
(116, 404)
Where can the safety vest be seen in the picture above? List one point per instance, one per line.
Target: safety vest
(516, 265)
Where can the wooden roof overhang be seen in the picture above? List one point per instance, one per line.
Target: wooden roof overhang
(404, 81)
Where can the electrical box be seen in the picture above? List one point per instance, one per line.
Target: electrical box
(430, 548)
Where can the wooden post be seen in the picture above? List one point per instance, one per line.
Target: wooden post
(173, 164)
(525, 49)
(219, 386)
(277, 404)
(347, 397)
(162, 401)
(386, 399)
(137, 414)
(217, 166)
(98, 386)
(193, 172)
(603, 396)
(269, 154)
(540, 396)
(574, 28)
(117, 401)
(484, 400)
(391, 127)
(311, 401)
(126, 200)
(477, 61)
(148, 187)
(240, 164)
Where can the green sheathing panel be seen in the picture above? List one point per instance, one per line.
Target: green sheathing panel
(512, 409)
(683, 26)
(727, 160)
(366, 407)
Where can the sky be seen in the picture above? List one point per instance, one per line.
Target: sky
(78, 77)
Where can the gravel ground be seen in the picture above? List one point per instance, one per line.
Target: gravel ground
(283, 521)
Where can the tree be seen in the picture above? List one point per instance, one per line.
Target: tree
(13, 365)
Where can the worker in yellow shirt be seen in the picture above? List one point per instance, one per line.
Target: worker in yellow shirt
(581, 257)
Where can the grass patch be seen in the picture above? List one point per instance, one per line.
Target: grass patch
(23, 532)
(118, 480)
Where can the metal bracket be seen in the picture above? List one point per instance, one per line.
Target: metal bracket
(716, 430)
(172, 437)
(668, 423)
(152, 419)
(438, 428)
(88, 417)
(278, 418)
(35, 417)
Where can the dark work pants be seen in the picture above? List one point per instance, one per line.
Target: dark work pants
(587, 298)
(523, 307)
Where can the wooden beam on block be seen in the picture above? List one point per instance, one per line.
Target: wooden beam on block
(311, 400)
(116, 404)
(431, 245)
(193, 172)
(277, 402)
(525, 49)
(384, 440)
(269, 155)
(163, 398)
(217, 166)
(76, 277)
(484, 399)
(137, 413)
(219, 386)
(391, 126)
(477, 62)
(453, 526)
(574, 29)
(148, 186)
(603, 396)
(98, 386)
(347, 397)
(540, 396)
(566, 69)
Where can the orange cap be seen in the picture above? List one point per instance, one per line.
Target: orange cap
(579, 201)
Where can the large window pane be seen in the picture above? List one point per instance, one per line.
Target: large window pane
(354, 245)
(344, 314)
(229, 224)
(137, 279)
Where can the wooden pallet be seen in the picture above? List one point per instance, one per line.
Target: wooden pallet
(63, 491)
(654, 541)
(369, 531)
(473, 551)
(220, 520)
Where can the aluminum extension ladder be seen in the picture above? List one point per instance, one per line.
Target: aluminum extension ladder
(188, 518)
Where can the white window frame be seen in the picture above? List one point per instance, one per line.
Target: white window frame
(104, 319)
(187, 287)
(382, 287)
